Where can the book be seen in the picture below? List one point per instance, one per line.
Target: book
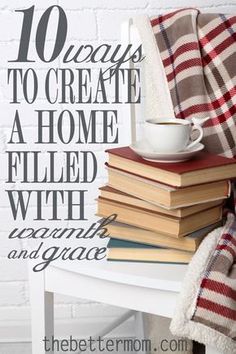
(173, 226)
(131, 251)
(189, 243)
(167, 196)
(203, 168)
(110, 193)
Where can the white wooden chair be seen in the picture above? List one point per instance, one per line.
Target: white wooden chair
(138, 287)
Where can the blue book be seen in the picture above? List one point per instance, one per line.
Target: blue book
(119, 250)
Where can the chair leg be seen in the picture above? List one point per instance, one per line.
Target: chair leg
(139, 330)
(42, 319)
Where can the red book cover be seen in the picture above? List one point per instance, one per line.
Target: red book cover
(202, 161)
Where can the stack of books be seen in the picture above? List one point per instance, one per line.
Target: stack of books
(163, 210)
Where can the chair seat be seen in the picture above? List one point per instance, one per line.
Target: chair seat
(149, 275)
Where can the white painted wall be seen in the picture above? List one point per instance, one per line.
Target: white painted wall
(89, 20)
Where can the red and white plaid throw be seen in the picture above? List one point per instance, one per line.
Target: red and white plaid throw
(198, 52)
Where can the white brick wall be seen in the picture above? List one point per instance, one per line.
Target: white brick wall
(89, 20)
(12, 293)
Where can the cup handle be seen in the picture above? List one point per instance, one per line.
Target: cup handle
(196, 141)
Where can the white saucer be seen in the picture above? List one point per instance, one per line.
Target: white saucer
(143, 149)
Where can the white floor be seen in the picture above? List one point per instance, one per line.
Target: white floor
(12, 348)
(25, 348)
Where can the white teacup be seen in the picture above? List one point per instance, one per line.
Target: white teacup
(171, 135)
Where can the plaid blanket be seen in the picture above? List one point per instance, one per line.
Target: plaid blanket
(198, 53)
